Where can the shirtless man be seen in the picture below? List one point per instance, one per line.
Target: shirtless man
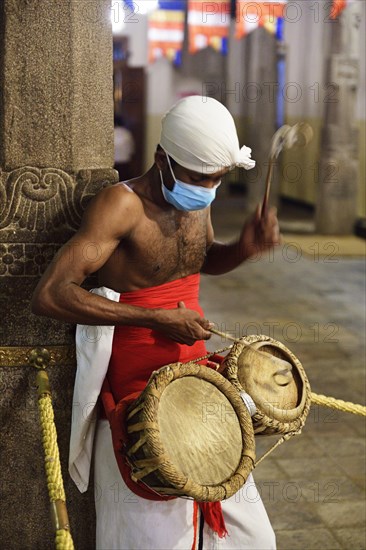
(151, 232)
(144, 241)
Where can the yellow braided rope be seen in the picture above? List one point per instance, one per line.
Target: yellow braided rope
(52, 458)
(339, 404)
(63, 539)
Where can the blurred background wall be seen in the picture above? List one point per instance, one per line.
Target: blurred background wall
(246, 79)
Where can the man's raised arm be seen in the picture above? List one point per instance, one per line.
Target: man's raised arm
(257, 236)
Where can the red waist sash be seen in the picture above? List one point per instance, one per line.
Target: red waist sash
(136, 353)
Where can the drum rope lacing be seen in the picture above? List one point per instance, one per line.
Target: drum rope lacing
(39, 358)
(210, 354)
(279, 442)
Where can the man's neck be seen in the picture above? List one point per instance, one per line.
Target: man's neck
(149, 186)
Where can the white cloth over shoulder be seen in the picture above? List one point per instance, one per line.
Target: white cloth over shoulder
(199, 134)
(93, 352)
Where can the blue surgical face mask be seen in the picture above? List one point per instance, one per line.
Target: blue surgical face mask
(185, 196)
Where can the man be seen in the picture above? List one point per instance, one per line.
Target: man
(154, 236)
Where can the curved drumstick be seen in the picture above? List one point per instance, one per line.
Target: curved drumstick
(286, 137)
(223, 335)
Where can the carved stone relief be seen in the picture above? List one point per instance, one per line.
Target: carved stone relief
(40, 208)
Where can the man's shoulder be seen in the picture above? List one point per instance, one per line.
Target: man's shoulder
(116, 206)
(118, 196)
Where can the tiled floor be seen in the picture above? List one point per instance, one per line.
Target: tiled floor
(314, 485)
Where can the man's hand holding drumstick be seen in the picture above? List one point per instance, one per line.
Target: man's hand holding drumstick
(262, 232)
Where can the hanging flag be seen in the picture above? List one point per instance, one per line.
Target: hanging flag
(261, 13)
(208, 25)
(166, 31)
(337, 7)
(130, 5)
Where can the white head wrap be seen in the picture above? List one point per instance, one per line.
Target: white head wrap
(199, 134)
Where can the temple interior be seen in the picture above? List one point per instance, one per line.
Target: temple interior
(83, 88)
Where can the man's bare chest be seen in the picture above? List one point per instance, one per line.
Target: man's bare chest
(170, 244)
(157, 251)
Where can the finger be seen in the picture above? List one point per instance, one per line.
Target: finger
(258, 212)
(273, 211)
(181, 305)
(184, 340)
(203, 333)
(205, 323)
(270, 222)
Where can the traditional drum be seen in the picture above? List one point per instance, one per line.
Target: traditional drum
(190, 434)
(275, 380)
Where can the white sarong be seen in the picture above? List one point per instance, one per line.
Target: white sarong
(126, 521)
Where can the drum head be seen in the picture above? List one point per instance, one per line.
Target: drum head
(274, 378)
(268, 375)
(200, 430)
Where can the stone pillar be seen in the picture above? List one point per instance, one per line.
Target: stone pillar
(56, 151)
(336, 209)
(260, 108)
